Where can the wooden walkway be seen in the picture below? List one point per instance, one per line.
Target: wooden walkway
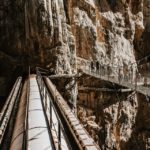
(139, 88)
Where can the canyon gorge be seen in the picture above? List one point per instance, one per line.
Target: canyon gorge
(64, 35)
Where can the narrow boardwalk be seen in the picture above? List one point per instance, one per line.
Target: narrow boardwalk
(131, 80)
(138, 88)
(38, 134)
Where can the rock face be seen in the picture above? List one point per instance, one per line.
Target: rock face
(119, 123)
(35, 33)
(53, 33)
(146, 33)
(122, 116)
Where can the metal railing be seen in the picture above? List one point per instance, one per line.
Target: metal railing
(55, 125)
(25, 136)
(131, 79)
(5, 115)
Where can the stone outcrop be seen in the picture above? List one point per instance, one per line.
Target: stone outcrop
(53, 33)
(122, 117)
(119, 123)
(35, 33)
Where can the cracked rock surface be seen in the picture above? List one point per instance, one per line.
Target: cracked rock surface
(53, 33)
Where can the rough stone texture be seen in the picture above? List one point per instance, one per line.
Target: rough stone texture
(119, 123)
(35, 33)
(51, 33)
(144, 43)
(107, 30)
(123, 118)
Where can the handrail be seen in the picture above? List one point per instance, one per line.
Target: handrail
(44, 94)
(71, 120)
(132, 79)
(4, 109)
(8, 107)
(25, 136)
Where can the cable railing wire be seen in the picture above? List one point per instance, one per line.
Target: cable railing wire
(60, 132)
(132, 79)
(7, 110)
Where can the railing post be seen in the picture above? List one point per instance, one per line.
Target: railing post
(50, 111)
(44, 91)
(42, 88)
(59, 137)
(45, 99)
(39, 79)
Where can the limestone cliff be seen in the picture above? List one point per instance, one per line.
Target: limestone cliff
(35, 33)
(53, 33)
